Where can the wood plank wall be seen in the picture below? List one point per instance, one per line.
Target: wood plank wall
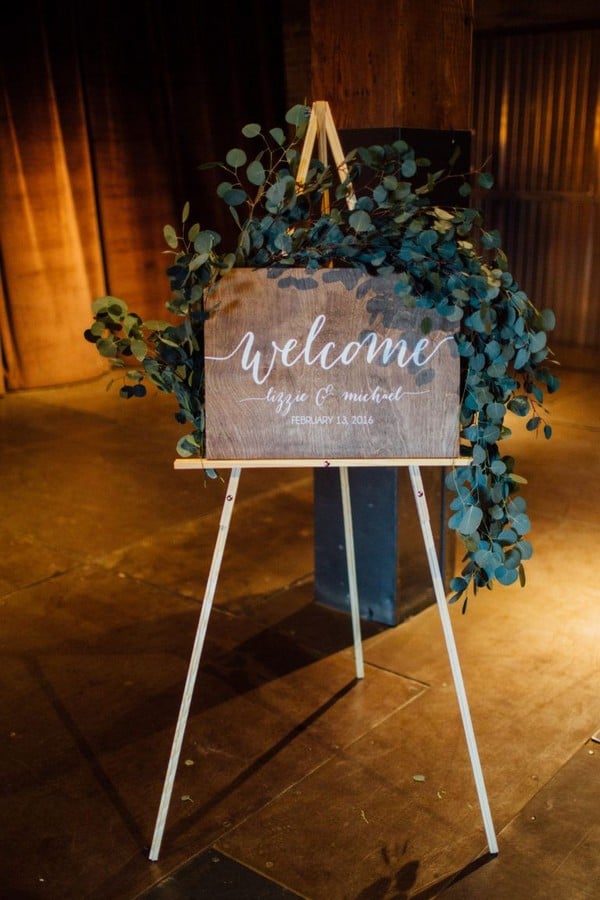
(537, 115)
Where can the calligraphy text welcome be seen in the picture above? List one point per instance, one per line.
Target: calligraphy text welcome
(376, 349)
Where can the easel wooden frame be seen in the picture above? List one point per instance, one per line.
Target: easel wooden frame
(438, 585)
(321, 125)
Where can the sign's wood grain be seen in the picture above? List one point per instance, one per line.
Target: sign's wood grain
(326, 364)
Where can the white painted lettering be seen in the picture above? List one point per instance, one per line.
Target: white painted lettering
(324, 394)
(382, 350)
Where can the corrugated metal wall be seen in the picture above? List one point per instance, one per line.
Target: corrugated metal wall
(537, 115)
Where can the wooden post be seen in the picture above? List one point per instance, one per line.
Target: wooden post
(391, 64)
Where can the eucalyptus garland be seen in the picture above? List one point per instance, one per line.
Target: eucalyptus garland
(445, 260)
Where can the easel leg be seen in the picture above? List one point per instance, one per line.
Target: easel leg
(352, 581)
(188, 691)
(440, 596)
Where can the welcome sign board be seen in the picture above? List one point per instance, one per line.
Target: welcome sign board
(329, 364)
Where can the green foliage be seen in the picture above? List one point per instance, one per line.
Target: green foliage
(445, 261)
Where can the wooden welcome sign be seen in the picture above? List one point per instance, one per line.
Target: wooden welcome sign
(311, 368)
(328, 364)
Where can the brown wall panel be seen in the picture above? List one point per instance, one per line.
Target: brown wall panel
(396, 62)
(537, 115)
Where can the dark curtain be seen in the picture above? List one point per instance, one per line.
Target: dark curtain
(108, 109)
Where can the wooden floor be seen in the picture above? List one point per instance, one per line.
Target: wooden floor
(295, 780)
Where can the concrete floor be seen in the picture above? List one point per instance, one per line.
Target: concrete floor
(295, 780)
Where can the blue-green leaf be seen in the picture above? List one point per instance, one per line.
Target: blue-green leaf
(519, 405)
(525, 549)
(470, 520)
(479, 455)
(223, 188)
(236, 157)
(278, 135)
(171, 236)
(459, 584)
(298, 115)
(235, 197)
(251, 130)
(548, 319)
(360, 221)
(139, 349)
(256, 173)
(521, 523)
(506, 576)
(537, 341)
(522, 358)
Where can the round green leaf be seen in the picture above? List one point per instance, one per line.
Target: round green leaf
(251, 130)
(297, 114)
(479, 455)
(458, 584)
(106, 347)
(548, 319)
(495, 411)
(156, 324)
(486, 560)
(278, 136)
(256, 173)
(170, 236)
(522, 358)
(198, 261)
(506, 576)
(360, 221)
(223, 187)
(521, 523)
(235, 197)
(236, 158)
(519, 405)
(537, 341)
(139, 349)
(525, 549)
(205, 241)
(470, 520)
(102, 303)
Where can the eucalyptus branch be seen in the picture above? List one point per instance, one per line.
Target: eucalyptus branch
(446, 259)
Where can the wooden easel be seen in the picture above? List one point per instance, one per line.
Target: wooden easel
(321, 126)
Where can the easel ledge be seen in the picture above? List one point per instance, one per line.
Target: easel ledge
(299, 463)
